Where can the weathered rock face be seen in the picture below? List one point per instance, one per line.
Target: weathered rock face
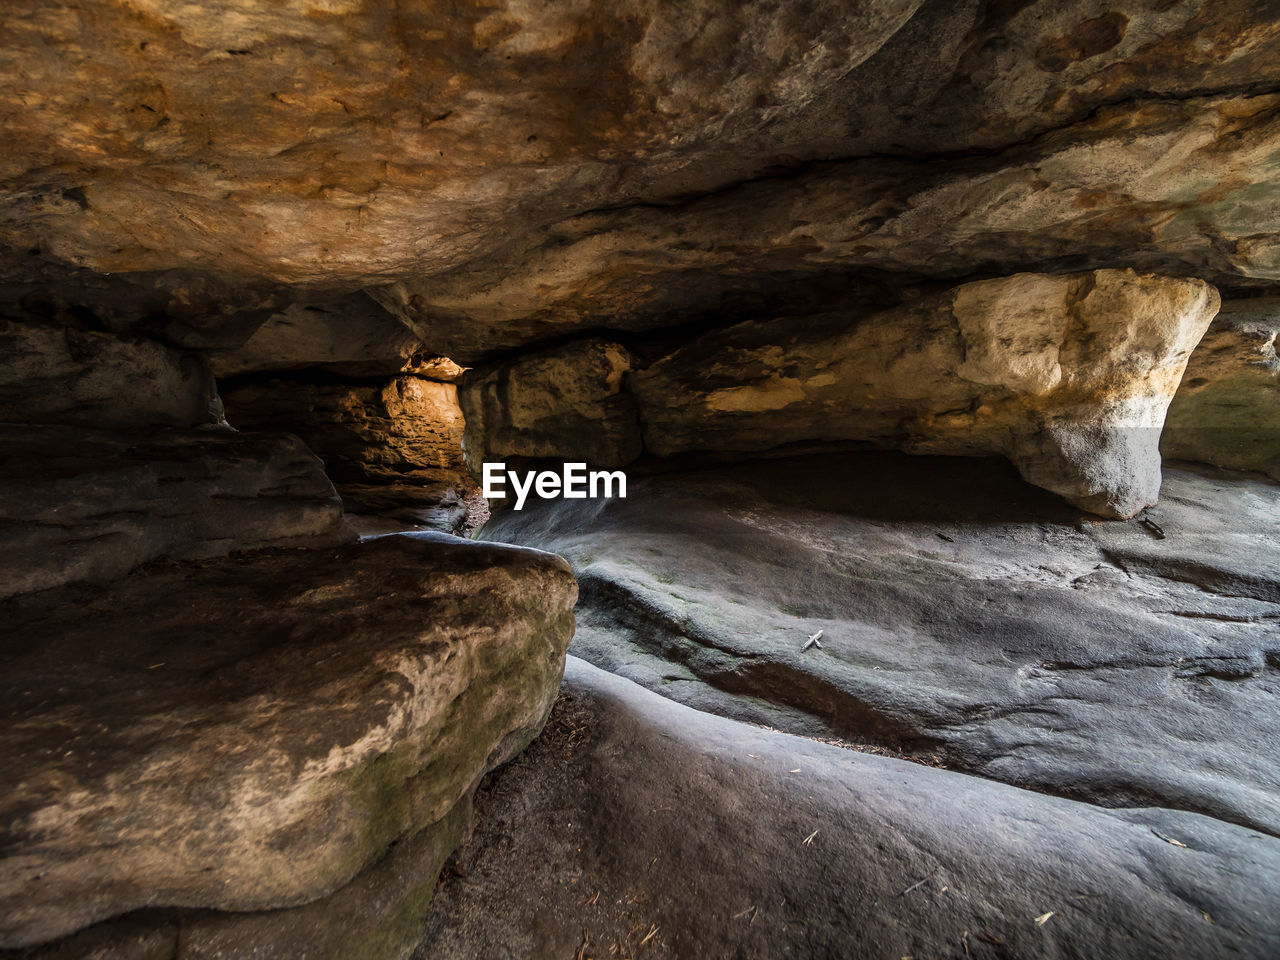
(393, 448)
(80, 504)
(1227, 410)
(531, 170)
(1133, 186)
(351, 336)
(966, 617)
(268, 731)
(50, 373)
(1067, 376)
(378, 915)
(375, 139)
(566, 403)
(637, 819)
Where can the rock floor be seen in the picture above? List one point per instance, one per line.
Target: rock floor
(638, 827)
(965, 616)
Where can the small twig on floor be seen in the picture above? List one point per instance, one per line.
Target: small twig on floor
(964, 940)
(809, 839)
(653, 932)
(1043, 918)
(582, 950)
(1176, 843)
(919, 883)
(1155, 528)
(812, 642)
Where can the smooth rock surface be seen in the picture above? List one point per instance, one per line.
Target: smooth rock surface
(51, 373)
(1227, 409)
(272, 727)
(638, 827)
(79, 504)
(393, 447)
(565, 403)
(966, 616)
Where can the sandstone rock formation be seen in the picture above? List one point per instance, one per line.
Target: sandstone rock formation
(1227, 410)
(1067, 376)
(655, 235)
(511, 172)
(51, 373)
(637, 819)
(350, 336)
(91, 505)
(966, 617)
(392, 448)
(565, 403)
(270, 729)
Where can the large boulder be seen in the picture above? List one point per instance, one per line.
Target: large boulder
(639, 827)
(391, 447)
(1227, 409)
(966, 617)
(270, 728)
(79, 504)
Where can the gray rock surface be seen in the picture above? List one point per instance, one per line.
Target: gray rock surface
(392, 447)
(1227, 409)
(78, 504)
(51, 373)
(966, 617)
(636, 827)
(269, 730)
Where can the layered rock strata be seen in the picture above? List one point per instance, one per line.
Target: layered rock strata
(1067, 376)
(392, 447)
(79, 504)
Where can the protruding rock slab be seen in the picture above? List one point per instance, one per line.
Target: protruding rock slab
(1227, 410)
(1067, 376)
(392, 448)
(965, 616)
(59, 374)
(566, 403)
(91, 505)
(634, 819)
(250, 734)
(351, 336)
